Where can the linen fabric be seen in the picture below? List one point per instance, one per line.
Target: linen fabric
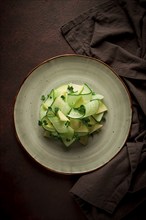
(115, 32)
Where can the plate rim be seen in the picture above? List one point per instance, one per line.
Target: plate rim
(41, 64)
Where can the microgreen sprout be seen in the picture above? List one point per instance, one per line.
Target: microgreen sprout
(43, 98)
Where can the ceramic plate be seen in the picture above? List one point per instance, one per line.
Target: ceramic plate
(101, 147)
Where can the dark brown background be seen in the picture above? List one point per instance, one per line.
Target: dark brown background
(30, 34)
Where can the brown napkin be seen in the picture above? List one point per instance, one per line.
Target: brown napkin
(115, 32)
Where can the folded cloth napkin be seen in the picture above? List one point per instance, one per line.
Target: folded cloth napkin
(115, 32)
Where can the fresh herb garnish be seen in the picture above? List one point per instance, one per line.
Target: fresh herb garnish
(81, 109)
(50, 113)
(49, 108)
(70, 89)
(56, 110)
(61, 118)
(85, 120)
(76, 136)
(63, 97)
(67, 123)
(43, 98)
(45, 122)
(39, 123)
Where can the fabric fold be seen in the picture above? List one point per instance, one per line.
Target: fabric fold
(120, 50)
(113, 180)
(115, 32)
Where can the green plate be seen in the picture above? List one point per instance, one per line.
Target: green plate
(101, 147)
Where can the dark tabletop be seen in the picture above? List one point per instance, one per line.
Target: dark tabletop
(30, 34)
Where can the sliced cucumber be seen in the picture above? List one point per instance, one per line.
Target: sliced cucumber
(47, 125)
(48, 102)
(98, 117)
(61, 104)
(86, 89)
(61, 116)
(74, 88)
(75, 113)
(97, 96)
(60, 91)
(102, 107)
(60, 126)
(91, 107)
(72, 112)
(72, 99)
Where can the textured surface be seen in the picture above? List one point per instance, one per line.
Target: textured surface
(30, 33)
(115, 32)
(102, 147)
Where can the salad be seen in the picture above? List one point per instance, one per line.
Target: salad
(72, 113)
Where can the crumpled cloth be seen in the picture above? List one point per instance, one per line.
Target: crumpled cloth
(115, 32)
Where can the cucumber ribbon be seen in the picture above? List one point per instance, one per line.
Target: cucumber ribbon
(72, 112)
